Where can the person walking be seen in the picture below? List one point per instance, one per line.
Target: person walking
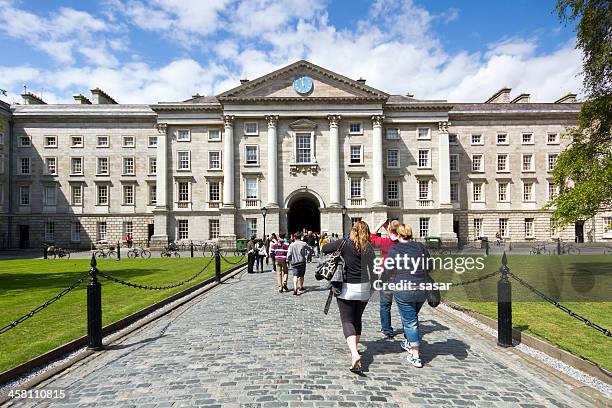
(358, 256)
(385, 296)
(251, 256)
(129, 240)
(296, 254)
(324, 240)
(310, 240)
(272, 241)
(317, 239)
(409, 302)
(267, 245)
(260, 254)
(280, 257)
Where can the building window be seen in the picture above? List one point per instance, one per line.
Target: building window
(152, 141)
(251, 128)
(251, 227)
(183, 191)
(452, 139)
(25, 141)
(454, 162)
(393, 190)
(214, 191)
(423, 133)
(214, 135)
(607, 224)
(393, 161)
(529, 228)
(502, 138)
(454, 192)
(101, 231)
(152, 194)
(552, 160)
(477, 195)
(423, 158)
(103, 141)
(528, 191)
(423, 227)
(424, 190)
(50, 196)
(251, 188)
(527, 138)
(76, 165)
(24, 165)
(478, 228)
(392, 133)
(24, 196)
(51, 141)
(553, 190)
(128, 194)
(503, 227)
(355, 220)
(477, 163)
(303, 147)
(102, 166)
(128, 229)
(51, 165)
(75, 232)
(214, 160)
(102, 198)
(356, 187)
(183, 229)
(552, 138)
(355, 128)
(477, 140)
(528, 164)
(183, 161)
(251, 155)
(128, 141)
(554, 233)
(76, 195)
(502, 192)
(356, 154)
(213, 229)
(76, 141)
(128, 166)
(49, 231)
(183, 135)
(502, 162)
(152, 165)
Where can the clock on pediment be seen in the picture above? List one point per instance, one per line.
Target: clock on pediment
(303, 84)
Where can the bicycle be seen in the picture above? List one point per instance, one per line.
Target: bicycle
(106, 253)
(208, 249)
(538, 249)
(169, 253)
(565, 249)
(58, 253)
(139, 252)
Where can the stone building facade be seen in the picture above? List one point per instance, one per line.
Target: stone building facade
(316, 149)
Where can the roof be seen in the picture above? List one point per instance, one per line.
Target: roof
(514, 107)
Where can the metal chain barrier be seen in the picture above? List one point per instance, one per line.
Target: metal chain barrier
(135, 285)
(481, 278)
(44, 305)
(232, 262)
(584, 320)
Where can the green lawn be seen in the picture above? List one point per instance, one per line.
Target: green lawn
(582, 283)
(25, 284)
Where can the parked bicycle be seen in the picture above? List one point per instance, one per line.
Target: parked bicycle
(538, 249)
(139, 252)
(58, 253)
(170, 252)
(106, 253)
(565, 249)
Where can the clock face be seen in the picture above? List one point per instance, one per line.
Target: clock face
(303, 84)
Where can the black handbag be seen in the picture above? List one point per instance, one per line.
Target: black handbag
(433, 296)
(328, 267)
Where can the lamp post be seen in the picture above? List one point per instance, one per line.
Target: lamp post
(264, 212)
(344, 211)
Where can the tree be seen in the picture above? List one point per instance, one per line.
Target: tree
(583, 171)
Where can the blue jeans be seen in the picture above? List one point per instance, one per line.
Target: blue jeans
(386, 299)
(409, 313)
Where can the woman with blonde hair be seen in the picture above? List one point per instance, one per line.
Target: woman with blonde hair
(358, 256)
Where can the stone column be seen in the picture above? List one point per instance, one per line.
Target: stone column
(160, 213)
(228, 162)
(377, 162)
(445, 214)
(334, 161)
(272, 162)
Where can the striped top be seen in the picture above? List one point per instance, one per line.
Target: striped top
(280, 250)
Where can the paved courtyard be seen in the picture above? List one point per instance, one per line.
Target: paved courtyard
(244, 343)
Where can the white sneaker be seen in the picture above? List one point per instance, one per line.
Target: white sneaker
(404, 344)
(415, 361)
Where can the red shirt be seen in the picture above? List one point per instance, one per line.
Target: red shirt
(384, 244)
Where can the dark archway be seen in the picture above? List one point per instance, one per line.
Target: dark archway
(303, 214)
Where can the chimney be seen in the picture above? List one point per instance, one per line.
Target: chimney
(410, 95)
(501, 96)
(568, 98)
(99, 97)
(522, 98)
(196, 95)
(81, 99)
(361, 81)
(243, 81)
(30, 99)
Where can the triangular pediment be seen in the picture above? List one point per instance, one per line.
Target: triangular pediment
(303, 124)
(325, 84)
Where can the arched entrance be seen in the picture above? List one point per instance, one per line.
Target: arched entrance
(303, 214)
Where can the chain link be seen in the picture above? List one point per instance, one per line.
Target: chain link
(44, 305)
(232, 262)
(481, 278)
(135, 285)
(584, 320)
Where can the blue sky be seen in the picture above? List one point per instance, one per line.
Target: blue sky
(144, 51)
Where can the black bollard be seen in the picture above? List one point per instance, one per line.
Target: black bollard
(191, 248)
(558, 247)
(118, 251)
(217, 265)
(504, 306)
(94, 309)
(487, 247)
(45, 254)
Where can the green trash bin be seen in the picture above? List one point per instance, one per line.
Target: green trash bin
(433, 242)
(241, 245)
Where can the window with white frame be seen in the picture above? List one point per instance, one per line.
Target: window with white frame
(423, 133)
(355, 128)
(553, 227)
(477, 139)
(75, 231)
(183, 229)
(251, 155)
(528, 191)
(553, 190)
(528, 164)
(356, 154)
(478, 232)
(76, 165)
(251, 128)
(152, 141)
(502, 163)
(251, 227)
(76, 141)
(214, 191)
(424, 191)
(502, 138)
(552, 138)
(303, 147)
(49, 231)
(454, 162)
(183, 161)
(102, 196)
(101, 231)
(24, 196)
(128, 166)
(128, 141)
(76, 194)
(214, 160)
(477, 192)
(24, 165)
(454, 192)
(423, 159)
(183, 135)
(356, 187)
(477, 163)
(50, 195)
(607, 224)
(51, 141)
(25, 141)
(423, 227)
(214, 135)
(502, 192)
(529, 232)
(51, 165)
(355, 220)
(393, 158)
(103, 141)
(102, 168)
(128, 194)
(392, 133)
(453, 139)
(503, 227)
(250, 184)
(128, 229)
(527, 138)
(393, 190)
(183, 192)
(152, 165)
(552, 160)
(152, 194)
(214, 228)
